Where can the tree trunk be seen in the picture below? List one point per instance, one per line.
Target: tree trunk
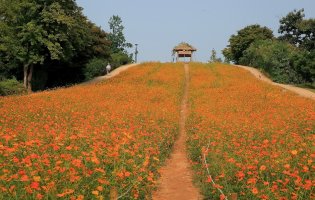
(29, 78)
(26, 66)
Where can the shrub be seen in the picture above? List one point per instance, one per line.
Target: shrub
(304, 64)
(95, 67)
(276, 58)
(119, 59)
(11, 87)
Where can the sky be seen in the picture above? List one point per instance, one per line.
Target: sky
(159, 25)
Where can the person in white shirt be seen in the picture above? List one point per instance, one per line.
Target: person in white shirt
(108, 68)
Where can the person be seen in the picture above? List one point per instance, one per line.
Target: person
(108, 68)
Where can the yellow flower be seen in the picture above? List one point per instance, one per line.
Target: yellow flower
(36, 178)
(294, 152)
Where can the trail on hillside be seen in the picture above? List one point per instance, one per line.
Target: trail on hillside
(300, 91)
(112, 74)
(176, 176)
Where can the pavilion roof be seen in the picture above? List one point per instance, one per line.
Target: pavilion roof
(184, 46)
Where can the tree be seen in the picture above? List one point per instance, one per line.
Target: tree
(228, 57)
(289, 27)
(307, 29)
(116, 35)
(297, 30)
(243, 39)
(277, 58)
(100, 44)
(36, 31)
(213, 57)
(304, 64)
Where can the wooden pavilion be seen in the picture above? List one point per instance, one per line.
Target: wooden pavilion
(184, 50)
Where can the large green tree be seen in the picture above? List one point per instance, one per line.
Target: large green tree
(243, 39)
(36, 31)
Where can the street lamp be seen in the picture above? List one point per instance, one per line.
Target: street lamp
(136, 53)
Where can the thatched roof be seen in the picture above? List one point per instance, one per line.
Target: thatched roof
(184, 46)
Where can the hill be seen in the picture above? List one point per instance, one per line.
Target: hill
(110, 139)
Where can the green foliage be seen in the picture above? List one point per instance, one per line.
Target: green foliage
(116, 36)
(94, 67)
(37, 27)
(307, 28)
(227, 55)
(289, 27)
(119, 59)
(11, 87)
(277, 58)
(288, 59)
(37, 31)
(213, 57)
(54, 34)
(99, 43)
(243, 39)
(304, 64)
(297, 30)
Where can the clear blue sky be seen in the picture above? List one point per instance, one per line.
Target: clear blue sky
(158, 25)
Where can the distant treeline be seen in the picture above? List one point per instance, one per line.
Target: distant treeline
(289, 58)
(47, 44)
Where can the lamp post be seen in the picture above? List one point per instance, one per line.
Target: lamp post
(136, 53)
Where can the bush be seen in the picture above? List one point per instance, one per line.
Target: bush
(95, 67)
(11, 87)
(119, 59)
(304, 64)
(276, 58)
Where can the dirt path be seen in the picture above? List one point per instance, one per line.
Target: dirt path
(297, 90)
(176, 176)
(111, 74)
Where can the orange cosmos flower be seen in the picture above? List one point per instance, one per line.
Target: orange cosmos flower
(294, 152)
(255, 190)
(35, 185)
(262, 168)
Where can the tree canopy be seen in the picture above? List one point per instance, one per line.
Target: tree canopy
(297, 30)
(38, 35)
(287, 59)
(36, 31)
(116, 35)
(242, 40)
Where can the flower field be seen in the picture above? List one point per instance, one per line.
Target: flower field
(91, 142)
(109, 140)
(255, 139)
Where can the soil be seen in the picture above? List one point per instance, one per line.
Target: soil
(176, 177)
(300, 91)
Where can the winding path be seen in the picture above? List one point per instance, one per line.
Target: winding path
(300, 91)
(176, 177)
